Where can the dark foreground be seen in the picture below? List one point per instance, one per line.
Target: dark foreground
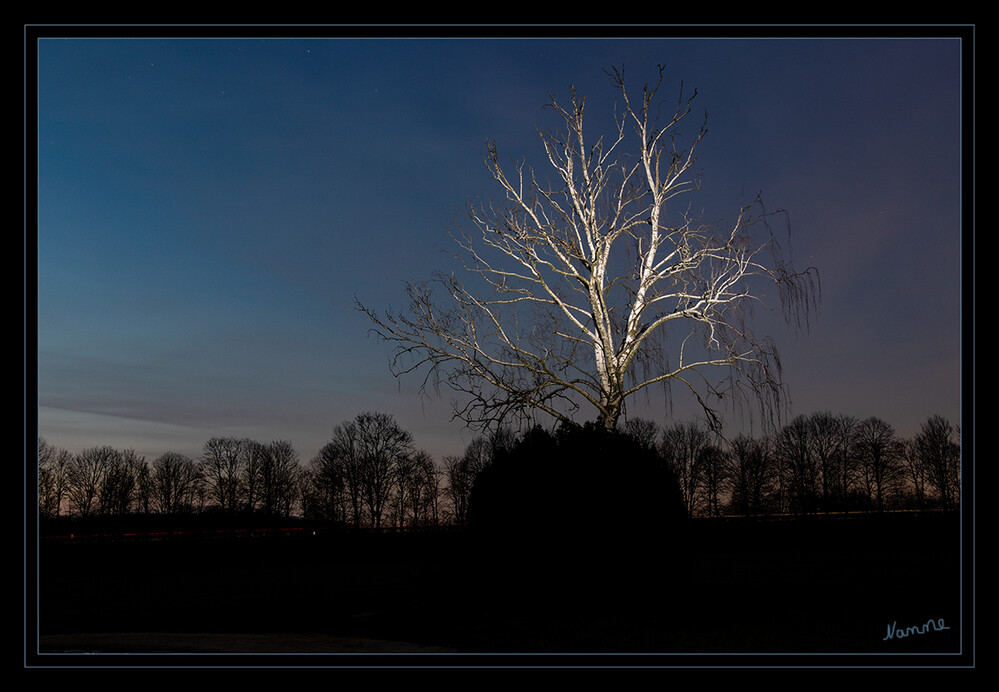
(771, 593)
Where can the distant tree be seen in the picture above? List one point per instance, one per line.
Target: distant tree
(119, 491)
(939, 449)
(457, 487)
(253, 456)
(53, 477)
(278, 474)
(403, 480)
(175, 482)
(368, 452)
(643, 431)
(325, 488)
(794, 447)
(916, 472)
(828, 443)
(222, 469)
(86, 479)
(417, 485)
(683, 446)
(581, 283)
(844, 460)
(782, 495)
(714, 478)
(383, 446)
(878, 452)
(142, 499)
(346, 448)
(750, 474)
(427, 495)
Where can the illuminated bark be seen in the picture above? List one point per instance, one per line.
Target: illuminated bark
(601, 286)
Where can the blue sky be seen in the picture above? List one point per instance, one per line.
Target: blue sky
(208, 209)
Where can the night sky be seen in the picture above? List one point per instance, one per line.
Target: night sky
(208, 209)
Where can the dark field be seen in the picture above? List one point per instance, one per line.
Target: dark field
(764, 593)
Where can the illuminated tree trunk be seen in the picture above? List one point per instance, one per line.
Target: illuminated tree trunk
(581, 287)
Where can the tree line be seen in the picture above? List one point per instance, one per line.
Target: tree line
(370, 473)
(816, 463)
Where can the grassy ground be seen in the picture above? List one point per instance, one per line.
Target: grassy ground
(725, 591)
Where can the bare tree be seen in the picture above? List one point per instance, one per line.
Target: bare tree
(361, 463)
(750, 474)
(683, 447)
(830, 440)
(915, 471)
(122, 486)
(278, 478)
(175, 481)
(643, 431)
(222, 468)
(253, 456)
(144, 500)
(939, 450)
(584, 281)
(427, 491)
(845, 463)
(878, 451)
(456, 489)
(87, 480)
(345, 450)
(794, 447)
(53, 477)
(405, 474)
(714, 478)
(461, 472)
(383, 445)
(326, 493)
(416, 490)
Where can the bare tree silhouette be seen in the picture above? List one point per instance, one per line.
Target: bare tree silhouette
(176, 480)
(879, 452)
(939, 451)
